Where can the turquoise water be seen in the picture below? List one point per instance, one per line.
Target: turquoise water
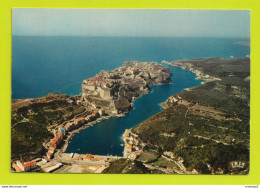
(42, 65)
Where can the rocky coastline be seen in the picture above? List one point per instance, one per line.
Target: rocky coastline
(188, 65)
(114, 91)
(109, 93)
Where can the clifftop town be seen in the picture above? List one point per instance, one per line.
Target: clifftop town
(36, 122)
(115, 90)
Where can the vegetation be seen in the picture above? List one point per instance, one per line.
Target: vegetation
(32, 119)
(211, 129)
(127, 166)
(149, 156)
(164, 163)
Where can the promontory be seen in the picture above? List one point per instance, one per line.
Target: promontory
(38, 122)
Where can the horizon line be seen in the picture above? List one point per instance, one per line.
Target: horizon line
(15, 35)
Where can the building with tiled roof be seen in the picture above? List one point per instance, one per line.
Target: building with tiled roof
(55, 141)
(59, 133)
(26, 166)
(88, 156)
(79, 121)
(69, 126)
(49, 154)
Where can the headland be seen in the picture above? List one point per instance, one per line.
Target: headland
(109, 93)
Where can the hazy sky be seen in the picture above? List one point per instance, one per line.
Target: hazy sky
(131, 22)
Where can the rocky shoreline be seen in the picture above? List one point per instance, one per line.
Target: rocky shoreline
(114, 91)
(187, 64)
(109, 93)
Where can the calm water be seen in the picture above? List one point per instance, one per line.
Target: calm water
(44, 65)
(105, 137)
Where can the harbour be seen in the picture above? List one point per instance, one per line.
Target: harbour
(105, 137)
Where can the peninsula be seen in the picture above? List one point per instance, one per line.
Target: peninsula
(43, 126)
(115, 90)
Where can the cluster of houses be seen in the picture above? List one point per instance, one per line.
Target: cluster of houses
(100, 82)
(55, 142)
(62, 130)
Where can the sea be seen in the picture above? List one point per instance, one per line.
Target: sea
(42, 65)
